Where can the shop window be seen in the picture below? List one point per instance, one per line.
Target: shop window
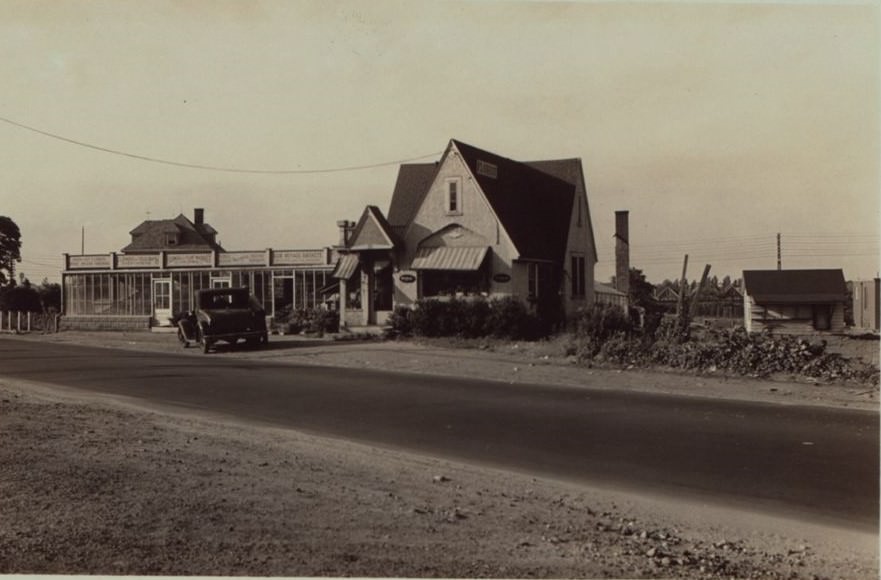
(454, 282)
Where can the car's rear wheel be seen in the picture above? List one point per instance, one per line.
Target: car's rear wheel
(183, 339)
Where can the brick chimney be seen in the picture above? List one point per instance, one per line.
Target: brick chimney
(346, 228)
(198, 216)
(622, 251)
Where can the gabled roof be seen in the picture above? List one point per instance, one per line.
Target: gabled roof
(151, 235)
(731, 290)
(535, 208)
(372, 232)
(666, 293)
(414, 181)
(795, 286)
(600, 288)
(570, 171)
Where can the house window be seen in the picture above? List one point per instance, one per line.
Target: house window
(454, 196)
(487, 169)
(578, 280)
(532, 280)
(171, 239)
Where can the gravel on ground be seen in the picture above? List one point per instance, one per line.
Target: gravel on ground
(93, 484)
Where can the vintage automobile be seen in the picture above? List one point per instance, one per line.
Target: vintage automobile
(223, 314)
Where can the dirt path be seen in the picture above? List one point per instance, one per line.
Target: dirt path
(98, 485)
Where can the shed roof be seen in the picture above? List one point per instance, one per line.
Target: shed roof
(795, 286)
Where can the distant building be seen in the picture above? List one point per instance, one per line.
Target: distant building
(168, 261)
(607, 295)
(794, 301)
(174, 235)
(474, 224)
(867, 304)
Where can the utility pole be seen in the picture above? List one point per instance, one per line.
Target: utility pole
(779, 261)
(697, 294)
(682, 288)
(83, 241)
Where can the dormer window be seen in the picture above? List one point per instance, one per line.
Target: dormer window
(454, 196)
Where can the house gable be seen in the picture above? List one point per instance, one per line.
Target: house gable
(372, 232)
(525, 200)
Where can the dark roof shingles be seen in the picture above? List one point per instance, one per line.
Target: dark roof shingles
(534, 207)
(795, 286)
(414, 181)
(151, 235)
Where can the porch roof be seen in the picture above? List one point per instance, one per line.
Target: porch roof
(345, 266)
(447, 258)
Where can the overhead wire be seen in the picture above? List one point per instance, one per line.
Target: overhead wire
(213, 167)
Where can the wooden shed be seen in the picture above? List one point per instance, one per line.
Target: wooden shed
(794, 301)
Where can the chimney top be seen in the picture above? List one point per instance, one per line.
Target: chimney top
(199, 216)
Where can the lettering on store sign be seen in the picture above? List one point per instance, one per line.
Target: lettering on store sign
(297, 257)
(407, 278)
(93, 261)
(172, 260)
(137, 261)
(241, 259)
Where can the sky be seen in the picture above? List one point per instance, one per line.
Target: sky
(717, 126)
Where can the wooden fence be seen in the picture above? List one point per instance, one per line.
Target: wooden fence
(17, 321)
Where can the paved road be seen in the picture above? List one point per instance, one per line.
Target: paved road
(816, 462)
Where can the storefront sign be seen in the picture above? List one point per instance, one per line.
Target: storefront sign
(407, 278)
(138, 261)
(178, 260)
(101, 261)
(297, 257)
(241, 258)
(501, 278)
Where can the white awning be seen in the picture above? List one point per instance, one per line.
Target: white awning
(345, 266)
(446, 258)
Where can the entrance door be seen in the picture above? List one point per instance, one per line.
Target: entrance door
(162, 302)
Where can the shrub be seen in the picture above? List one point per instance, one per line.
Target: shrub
(502, 318)
(400, 321)
(317, 320)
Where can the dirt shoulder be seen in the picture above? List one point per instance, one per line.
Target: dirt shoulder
(100, 485)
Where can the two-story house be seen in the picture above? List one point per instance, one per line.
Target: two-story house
(473, 224)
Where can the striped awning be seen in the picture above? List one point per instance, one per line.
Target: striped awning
(345, 266)
(445, 258)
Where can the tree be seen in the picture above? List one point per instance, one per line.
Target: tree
(20, 298)
(50, 296)
(641, 291)
(10, 249)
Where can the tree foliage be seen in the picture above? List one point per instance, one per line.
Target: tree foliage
(10, 249)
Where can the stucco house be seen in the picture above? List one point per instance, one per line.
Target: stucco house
(794, 301)
(473, 224)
